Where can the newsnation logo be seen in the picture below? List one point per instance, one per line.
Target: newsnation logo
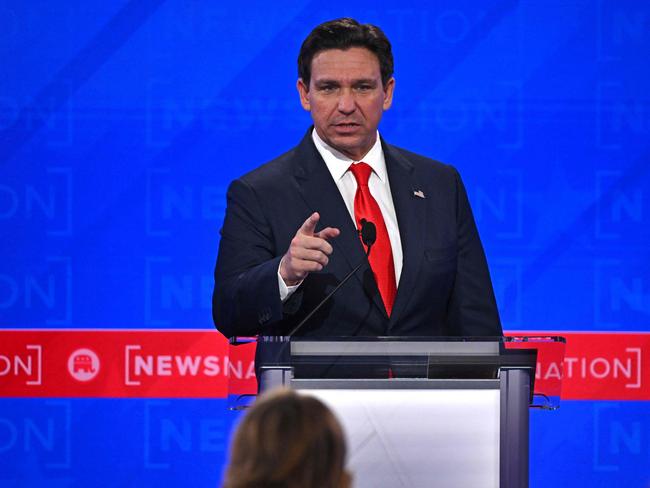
(201, 364)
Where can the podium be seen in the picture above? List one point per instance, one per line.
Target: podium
(417, 412)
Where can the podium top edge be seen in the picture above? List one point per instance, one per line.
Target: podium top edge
(413, 341)
(404, 348)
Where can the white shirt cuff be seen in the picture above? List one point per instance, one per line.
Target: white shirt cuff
(285, 291)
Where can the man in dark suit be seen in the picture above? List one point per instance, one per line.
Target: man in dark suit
(290, 233)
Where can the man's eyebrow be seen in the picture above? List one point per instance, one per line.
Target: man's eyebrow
(326, 81)
(365, 81)
(360, 81)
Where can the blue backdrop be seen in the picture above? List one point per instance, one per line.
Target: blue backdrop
(122, 123)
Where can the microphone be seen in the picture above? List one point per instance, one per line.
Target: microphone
(368, 234)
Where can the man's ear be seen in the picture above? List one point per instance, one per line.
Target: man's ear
(303, 91)
(388, 93)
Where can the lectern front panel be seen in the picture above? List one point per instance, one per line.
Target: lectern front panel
(419, 437)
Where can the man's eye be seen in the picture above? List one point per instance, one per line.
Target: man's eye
(328, 89)
(363, 88)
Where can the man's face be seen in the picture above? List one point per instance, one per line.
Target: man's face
(346, 99)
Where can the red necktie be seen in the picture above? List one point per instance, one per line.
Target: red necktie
(381, 256)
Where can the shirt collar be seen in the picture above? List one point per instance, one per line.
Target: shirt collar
(338, 163)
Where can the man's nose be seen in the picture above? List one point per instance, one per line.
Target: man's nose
(347, 104)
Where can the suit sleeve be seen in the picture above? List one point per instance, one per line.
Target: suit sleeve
(472, 308)
(246, 295)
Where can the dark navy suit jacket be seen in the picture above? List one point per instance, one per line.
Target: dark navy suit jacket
(444, 289)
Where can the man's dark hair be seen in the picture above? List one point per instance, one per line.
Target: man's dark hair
(343, 34)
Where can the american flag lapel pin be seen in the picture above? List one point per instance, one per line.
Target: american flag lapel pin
(418, 193)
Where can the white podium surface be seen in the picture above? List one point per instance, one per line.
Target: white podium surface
(419, 438)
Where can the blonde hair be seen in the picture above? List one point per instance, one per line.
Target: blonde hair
(287, 440)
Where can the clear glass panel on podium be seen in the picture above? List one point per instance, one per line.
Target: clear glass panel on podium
(549, 369)
(415, 357)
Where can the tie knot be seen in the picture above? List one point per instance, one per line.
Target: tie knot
(361, 172)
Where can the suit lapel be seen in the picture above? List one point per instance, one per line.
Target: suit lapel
(410, 211)
(322, 195)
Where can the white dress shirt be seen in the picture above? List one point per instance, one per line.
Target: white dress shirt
(338, 165)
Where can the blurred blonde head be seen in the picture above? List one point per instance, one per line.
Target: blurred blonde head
(287, 440)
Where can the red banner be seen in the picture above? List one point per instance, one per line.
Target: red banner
(124, 363)
(599, 366)
(201, 364)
